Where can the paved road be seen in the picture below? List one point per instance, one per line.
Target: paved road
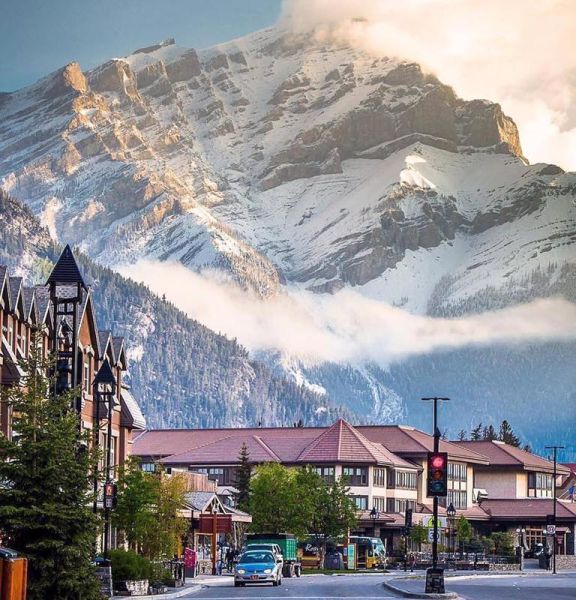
(508, 587)
(309, 587)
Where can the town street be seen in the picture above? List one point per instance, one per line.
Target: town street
(369, 587)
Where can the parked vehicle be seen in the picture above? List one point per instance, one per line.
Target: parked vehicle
(370, 552)
(258, 566)
(292, 565)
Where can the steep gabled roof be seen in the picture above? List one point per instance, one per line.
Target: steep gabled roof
(503, 455)
(119, 351)
(15, 291)
(66, 270)
(131, 415)
(343, 443)
(30, 304)
(104, 341)
(3, 280)
(42, 295)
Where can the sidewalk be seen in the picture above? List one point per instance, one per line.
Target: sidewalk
(192, 586)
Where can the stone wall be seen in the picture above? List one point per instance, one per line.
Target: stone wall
(565, 562)
(505, 567)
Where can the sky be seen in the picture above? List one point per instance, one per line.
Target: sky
(520, 53)
(40, 36)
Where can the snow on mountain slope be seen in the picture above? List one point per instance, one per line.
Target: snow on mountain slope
(278, 160)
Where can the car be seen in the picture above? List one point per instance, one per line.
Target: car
(274, 548)
(258, 566)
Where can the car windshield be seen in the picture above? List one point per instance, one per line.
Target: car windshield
(257, 557)
(261, 547)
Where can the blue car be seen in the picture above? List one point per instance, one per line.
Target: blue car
(258, 566)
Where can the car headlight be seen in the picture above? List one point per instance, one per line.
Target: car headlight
(240, 571)
(267, 571)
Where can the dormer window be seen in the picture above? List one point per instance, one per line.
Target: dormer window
(540, 485)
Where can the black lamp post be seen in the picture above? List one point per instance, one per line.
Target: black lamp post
(105, 392)
(374, 514)
(67, 289)
(451, 514)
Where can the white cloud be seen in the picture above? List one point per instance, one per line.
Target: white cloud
(521, 53)
(344, 327)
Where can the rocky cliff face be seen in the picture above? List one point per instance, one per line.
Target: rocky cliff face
(174, 154)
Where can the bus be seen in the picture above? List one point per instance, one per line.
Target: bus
(370, 552)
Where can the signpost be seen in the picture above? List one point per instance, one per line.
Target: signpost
(351, 562)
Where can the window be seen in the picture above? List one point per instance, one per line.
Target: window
(355, 475)
(379, 477)
(223, 475)
(361, 502)
(149, 467)
(457, 471)
(458, 498)
(327, 473)
(87, 376)
(540, 485)
(399, 505)
(380, 503)
(406, 480)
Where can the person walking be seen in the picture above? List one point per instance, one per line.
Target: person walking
(411, 561)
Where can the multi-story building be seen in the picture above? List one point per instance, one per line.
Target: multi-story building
(27, 315)
(385, 468)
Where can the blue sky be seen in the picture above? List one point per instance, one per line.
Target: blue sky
(39, 36)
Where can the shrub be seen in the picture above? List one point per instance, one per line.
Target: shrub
(129, 566)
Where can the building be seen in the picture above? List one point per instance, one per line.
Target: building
(28, 315)
(386, 470)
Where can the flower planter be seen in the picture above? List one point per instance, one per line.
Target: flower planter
(133, 588)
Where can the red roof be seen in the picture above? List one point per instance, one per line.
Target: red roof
(528, 508)
(405, 440)
(503, 455)
(342, 443)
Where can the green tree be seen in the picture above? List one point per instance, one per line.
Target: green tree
(243, 475)
(275, 505)
(45, 499)
(503, 543)
(464, 531)
(476, 433)
(507, 435)
(148, 511)
(419, 535)
(135, 507)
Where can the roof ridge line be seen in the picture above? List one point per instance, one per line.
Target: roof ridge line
(266, 447)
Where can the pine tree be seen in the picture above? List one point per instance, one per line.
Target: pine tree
(242, 483)
(488, 433)
(45, 499)
(507, 435)
(476, 433)
(462, 436)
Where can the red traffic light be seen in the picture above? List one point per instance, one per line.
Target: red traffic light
(437, 472)
(438, 461)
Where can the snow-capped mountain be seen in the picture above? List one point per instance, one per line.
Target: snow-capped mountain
(281, 159)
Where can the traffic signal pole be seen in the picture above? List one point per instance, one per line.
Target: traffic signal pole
(554, 539)
(434, 401)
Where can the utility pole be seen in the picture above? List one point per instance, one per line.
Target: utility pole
(554, 541)
(437, 584)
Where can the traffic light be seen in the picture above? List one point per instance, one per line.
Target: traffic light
(437, 480)
(110, 491)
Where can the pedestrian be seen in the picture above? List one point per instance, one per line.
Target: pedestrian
(412, 561)
(229, 559)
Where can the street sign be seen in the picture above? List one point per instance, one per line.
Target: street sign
(431, 535)
(550, 529)
(351, 562)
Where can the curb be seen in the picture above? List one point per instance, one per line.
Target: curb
(184, 591)
(406, 594)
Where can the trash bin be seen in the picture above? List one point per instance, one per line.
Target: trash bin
(334, 560)
(13, 575)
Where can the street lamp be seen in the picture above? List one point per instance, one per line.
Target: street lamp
(554, 539)
(104, 392)
(451, 514)
(374, 515)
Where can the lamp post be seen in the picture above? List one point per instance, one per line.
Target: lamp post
(67, 289)
(451, 515)
(554, 540)
(374, 514)
(105, 392)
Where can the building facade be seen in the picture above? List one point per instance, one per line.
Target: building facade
(385, 467)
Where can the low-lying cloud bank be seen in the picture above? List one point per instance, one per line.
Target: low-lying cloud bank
(345, 327)
(516, 52)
